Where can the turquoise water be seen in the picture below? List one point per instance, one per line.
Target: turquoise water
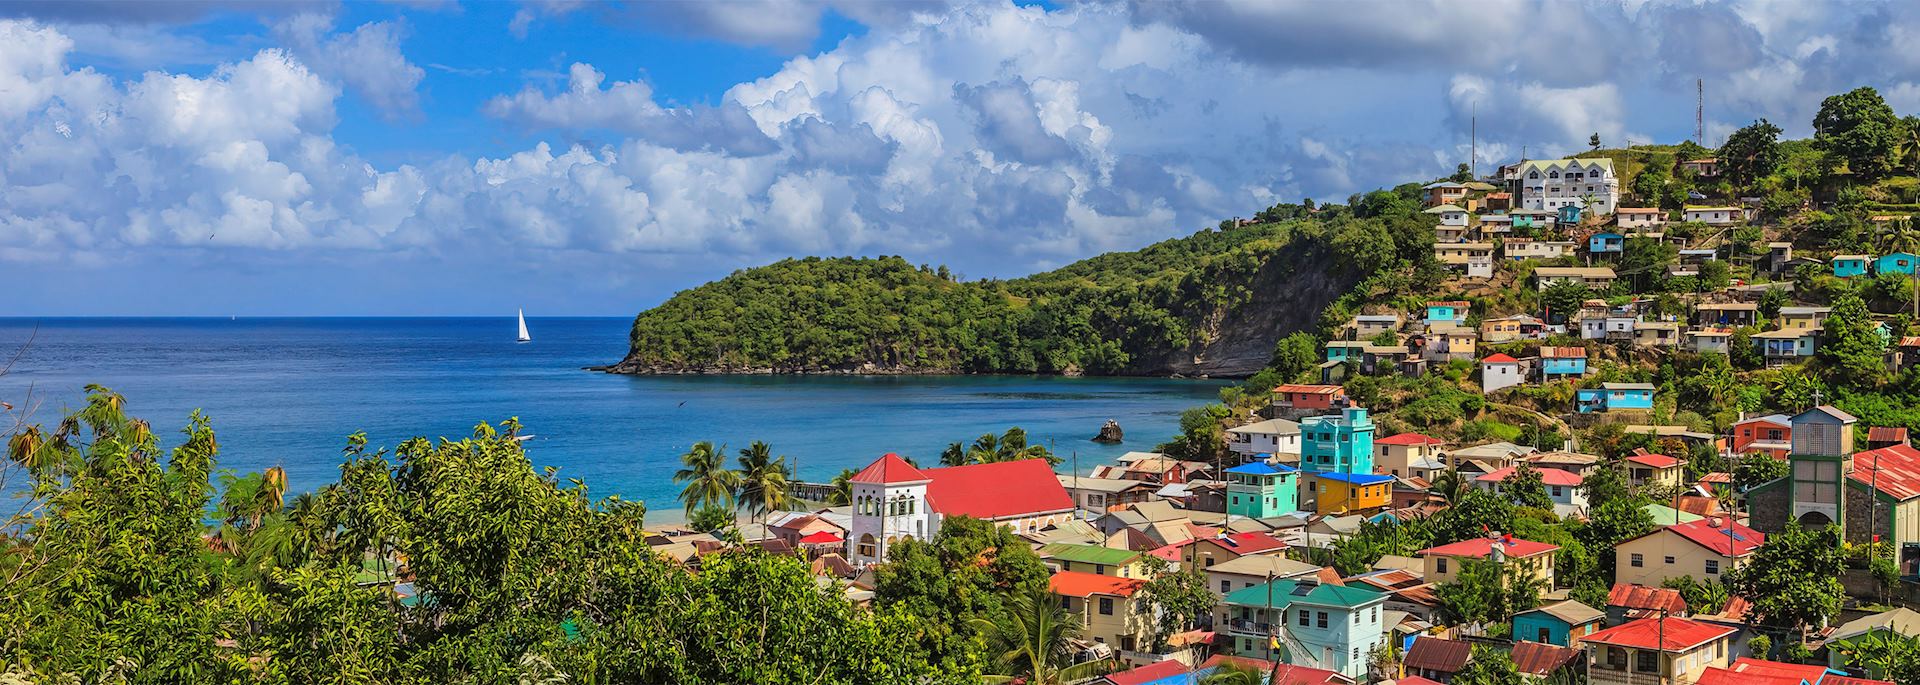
(287, 392)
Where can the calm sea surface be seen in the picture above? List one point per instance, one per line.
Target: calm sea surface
(287, 392)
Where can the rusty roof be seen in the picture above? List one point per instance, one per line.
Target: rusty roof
(1539, 658)
(1437, 654)
(1642, 597)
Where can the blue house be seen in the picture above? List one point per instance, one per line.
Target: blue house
(1787, 345)
(1556, 623)
(1849, 265)
(1570, 214)
(1332, 627)
(1453, 312)
(1562, 362)
(1606, 243)
(1346, 350)
(1613, 396)
(1896, 263)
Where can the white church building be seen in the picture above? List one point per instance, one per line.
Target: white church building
(893, 500)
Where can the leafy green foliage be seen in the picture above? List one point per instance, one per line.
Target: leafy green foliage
(1755, 469)
(1487, 592)
(1750, 153)
(989, 448)
(1489, 666)
(1180, 597)
(1859, 128)
(1851, 346)
(968, 571)
(1794, 579)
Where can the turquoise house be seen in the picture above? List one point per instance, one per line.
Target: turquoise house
(1570, 214)
(1562, 362)
(1897, 263)
(1613, 396)
(1558, 623)
(1346, 350)
(1453, 312)
(1338, 443)
(1332, 627)
(1849, 265)
(1606, 244)
(1261, 490)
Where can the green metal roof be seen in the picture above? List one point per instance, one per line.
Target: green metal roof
(1669, 516)
(1087, 554)
(1286, 592)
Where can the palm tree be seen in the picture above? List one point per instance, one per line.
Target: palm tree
(763, 480)
(989, 448)
(955, 455)
(1234, 673)
(1034, 640)
(709, 483)
(1449, 485)
(842, 493)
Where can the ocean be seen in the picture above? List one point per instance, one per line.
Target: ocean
(288, 391)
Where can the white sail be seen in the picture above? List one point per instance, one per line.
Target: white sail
(523, 327)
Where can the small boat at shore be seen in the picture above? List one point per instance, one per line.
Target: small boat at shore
(523, 327)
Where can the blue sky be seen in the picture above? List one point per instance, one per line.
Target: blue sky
(308, 157)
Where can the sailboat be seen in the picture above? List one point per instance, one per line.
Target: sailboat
(523, 327)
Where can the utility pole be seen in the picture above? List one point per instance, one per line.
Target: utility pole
(1473, 141)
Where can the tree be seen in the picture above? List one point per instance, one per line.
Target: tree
(1751, 153)
(967, 572)
(711, 519)
(1487, 592)
(989, 448)
(1609, 524)
(1462, 173)
(1771, 301)
(1032, 639)
(1884, 655)
(763, 482)
(1489, 666)
(1475, 514)
(1450, 485)
(1703, 597)
(1859, 128)
(1607, 482)
(1794, 579)
(1295, 355)
(842, 493)
(1236, 673)
(1593, 141)
(1755, 469)
(1563, 299)
(1851, 348)
(709, 483)
(1181, 597)
(1526, 489)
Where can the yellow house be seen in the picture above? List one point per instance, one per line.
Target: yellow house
(1106, 561)
(1444, 562)
(1654, 469)
(1353, 493)
(1108, 608)
(1656, 650)
(1705, 549)
(1396, 455)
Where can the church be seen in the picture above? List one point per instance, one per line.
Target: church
(1871, 494)
(892, 500)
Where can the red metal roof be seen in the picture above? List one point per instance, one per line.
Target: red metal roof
(1415, 680)
(1083, 584)
(1670, 634)
(999, 490)
(1721, 535)
(1304, 389)
(1437, 654)
(1284, 674)
(1717, 477)
(1658, 461)
(1887, 434)
(1479, 548)
(1632, 596)
(1548, 476)
(1563, 353)
(889, 468)
(1894, 470)
(1539, 658)
(1410, 439)
(821, 538)
(1146, 674)
(1499, 358)
(1850, 680)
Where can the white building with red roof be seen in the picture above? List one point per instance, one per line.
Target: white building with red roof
(1705, 549)
(1443, 562)
(1562, 486)
(1656, 650)
(892, 500)
(1499, 371)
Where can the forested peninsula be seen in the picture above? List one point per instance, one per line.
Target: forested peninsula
(1212, 303)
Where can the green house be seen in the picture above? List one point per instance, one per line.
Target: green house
(1332, 627)
(1261, 490)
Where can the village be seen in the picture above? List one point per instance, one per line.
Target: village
(1268, 524)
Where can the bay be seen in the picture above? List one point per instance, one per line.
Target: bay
(287, 392)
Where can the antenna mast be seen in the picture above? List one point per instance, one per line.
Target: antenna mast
(1699, 112)
(1473, 144)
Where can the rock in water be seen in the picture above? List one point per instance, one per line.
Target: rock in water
(1109, 433)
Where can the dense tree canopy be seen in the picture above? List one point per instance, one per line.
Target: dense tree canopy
(1859, 128)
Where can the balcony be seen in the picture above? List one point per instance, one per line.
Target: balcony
(1242, 626)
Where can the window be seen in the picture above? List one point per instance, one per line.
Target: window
(1374, 615)
(1106, 606)
(1637, 561)
(1100, 569)
(1646, 661)
(1713, 567)
(1320, 619)
(1616, 658)
(1440, 565)
(1669, 560)
(867, 548)
(1226, 586)
(1356, 654)
(1126, 642)
(1545, 636)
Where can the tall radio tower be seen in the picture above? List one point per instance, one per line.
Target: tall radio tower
(1699, 112)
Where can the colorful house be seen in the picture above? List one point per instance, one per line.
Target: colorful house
(1352, 493)
(1443, 563)
(1561, 623)
(1532, 218)
(1302, 396)
(1262, 490)
(1451, 312)
(893, 500)
(1887, 480)
(1660, 470)
(1108, 610)
(1499, 371)
(1106, 561)
(1570, 213)
(1346, 350)
(1849, 265)
(1562, 362)
(1397, 454)
(1614, 397)
(1340, 443)
(1637, 218)
(1271, 437)
(1328, 626)
(1605, 243)
(1897, 263)
(1563, 487)
(1704, 549)
(1656, 650)
(1787, 345)
(1771, 435)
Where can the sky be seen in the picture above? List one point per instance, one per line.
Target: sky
(423, 157)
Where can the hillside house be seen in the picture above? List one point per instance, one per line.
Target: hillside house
(1656, 649)
(1557, 363)
(1886, 482)
(1095, 559)
(1451, 215)
(1516, 327)
(1435, 659)
(1518, 249)
(1712, 216)
(1896, 263)
(1560, 623)
(1658, 470)
(1341, 443)
(1639, 218)
(1592, 277)
(1495, 225)
(1580, 183)
(1804, 318)
(1452, 312)
(1704, 549)
(1448, 342)
(1443, 563)
(1397, 454)
(1706, 167)
(1346, 350)
(1725, 313)
(1259, 489)
(1787, 346)
(1563, 487)
(1613, 397)
(1536, 220)
(1101, 494)
(1366, 326)
(1345, 494)
(1109, 611)
(1444, 192)
(1499, 371)
(1328, 626)
(1271, 437)
(1771, 435)
(1300, 396)
(1779, 256)
(1249, 570)
(1656, 333)
(1474, 259)
(1849, 265)
(1497, 202)
(1606, 244)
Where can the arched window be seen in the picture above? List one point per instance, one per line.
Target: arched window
(866, 547)
(1553, 174)
(1534, 174)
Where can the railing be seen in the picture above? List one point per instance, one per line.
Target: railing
(1249, 626)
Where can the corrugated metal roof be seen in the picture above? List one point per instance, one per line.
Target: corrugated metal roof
(1539, 658)
(1437, 654)
(1893, 470)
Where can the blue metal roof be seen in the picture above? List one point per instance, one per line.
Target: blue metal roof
(1356, 478)
(1261, 468)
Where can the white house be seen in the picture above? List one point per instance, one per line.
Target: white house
(1272, 436)
(1640, 217)
(893, 500)
(1499, 371)
(1712, 216)
(1563, 487)
(1550, 184)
